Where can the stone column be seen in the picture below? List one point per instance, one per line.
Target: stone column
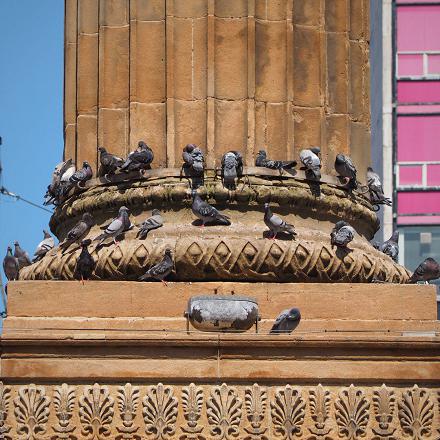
(224, 74)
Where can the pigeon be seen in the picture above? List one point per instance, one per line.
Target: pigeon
(119, 225)
(10, 265)
(232, 167)
(207, 213)
(391, 246)
(341, 234)
(345, 168)
(109, 162)
(287, 321)
(193, 159)
(62, 173)
(160, 270)
(22, 256)
(262, 161)
(276, 224)
(139, 159)
(78, 232)
(43, 247)
(81, 176)
(311, 162)
(428, 270)
(153, 222)
(376, 189)
(85, 264)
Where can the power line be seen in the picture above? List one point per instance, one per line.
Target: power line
(5, 192)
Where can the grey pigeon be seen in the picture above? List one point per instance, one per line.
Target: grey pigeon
(109, 162)
(376, 189)
(262, 161)
(207, 213)
(287, 321)
(311, 162)
(153, 222)
(81, 176)
(62, 173)
(276, 224)
(342, 234)
(428, 270)
(10, 265)
(391, 246)
(43, 247)
(118, 225)
(85, 264)
(232, 167)
(345, 168)
(193, 159)
(139, 159)
(160, 270)
(21, 255)
(78, 232)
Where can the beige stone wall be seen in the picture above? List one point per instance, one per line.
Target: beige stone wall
(224, 74)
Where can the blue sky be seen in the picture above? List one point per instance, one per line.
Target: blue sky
(31, 113)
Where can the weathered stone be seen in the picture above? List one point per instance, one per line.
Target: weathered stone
(70, 141)
(356, 20)
(337, 135)
(356, 98)
(271, 9)
(88, 16)
(360, 136)
(192, 9)
(113, 13)
(113, 130)
(146, 10)
(70, 55)
(87, 76)
(307, 127)
(336, 15)
(86, 141)
(231, 8)
(308, 12)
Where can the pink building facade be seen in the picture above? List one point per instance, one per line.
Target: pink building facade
(416, 128)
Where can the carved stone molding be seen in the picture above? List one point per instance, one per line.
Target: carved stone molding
(224, 412)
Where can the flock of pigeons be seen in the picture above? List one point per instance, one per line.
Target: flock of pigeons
(65, 177)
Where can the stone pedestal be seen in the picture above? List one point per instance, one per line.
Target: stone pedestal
(115, 360)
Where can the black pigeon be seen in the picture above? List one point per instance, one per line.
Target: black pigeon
(160, 270)
(153, 222)
(311, 162)
(207, 213)
(85, 264)
(22, 256)
(262, 161)
(78, 232)
(276, 224)
(391, 246)
(376, 189)
(139, 159)
(118, 225)
(43, 247)
(287, 321)
(232, 168)
(428, 270)
(109, 162)
(81, 176)
(342, 234)
(346, 169)
(10, 265)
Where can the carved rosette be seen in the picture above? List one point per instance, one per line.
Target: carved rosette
(416, 413)
(288, 411)
(31, 412)
(232, 412)
(96, 412)
(160, 412)
(352, 413)
(239, 252)
(224, 412)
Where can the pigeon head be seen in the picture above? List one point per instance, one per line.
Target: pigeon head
(102, 150)
(294, 314)
(9, 250)
(155, 212)
(340, 224)
(340, 159)
(266, 206)
(123, 209)
(168, 252)
(86, 243)
(86, 217)
(16, 244)
(142, 145)
(316, 150)
(189, 148)
(46, 234)
(370, 169)
(194, 193)
(86, 164)
(395, 236)
(262, 153)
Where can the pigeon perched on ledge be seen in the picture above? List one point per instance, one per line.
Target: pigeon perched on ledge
(22, 256)
(10, 265)
(276, 224)
(118, 225)
(311, 162)
(428, 270)
(287, 321)
(139, 159)
(262, 161)
(346, 169)
(207, 213)
(109, 162)
(43, 247)
(342, 234)
(153, 222)
(391, 246)
(161, 270)
(60, 181)
(376, 189)
(193, 159)
(81, 176)
(85, 264)
(232, 168)
(78, 232)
